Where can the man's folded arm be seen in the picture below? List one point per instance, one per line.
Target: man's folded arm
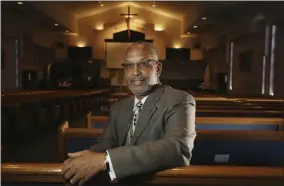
(168, 152)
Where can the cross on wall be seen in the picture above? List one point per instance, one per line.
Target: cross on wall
(127, 17)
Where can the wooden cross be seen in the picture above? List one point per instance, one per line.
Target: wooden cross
(127, 19)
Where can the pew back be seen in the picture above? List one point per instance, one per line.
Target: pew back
(246, 148)
(212, 123)
(75, 139)
(49, 174)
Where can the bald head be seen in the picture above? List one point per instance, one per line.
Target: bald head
(142, 48)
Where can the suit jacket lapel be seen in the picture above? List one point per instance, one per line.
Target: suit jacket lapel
(126, 115)
(147, 112)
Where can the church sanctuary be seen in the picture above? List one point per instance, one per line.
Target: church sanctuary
(66, 79)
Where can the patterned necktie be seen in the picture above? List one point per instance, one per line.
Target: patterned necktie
(137, 111)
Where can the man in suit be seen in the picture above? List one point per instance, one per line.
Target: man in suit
(153, 130)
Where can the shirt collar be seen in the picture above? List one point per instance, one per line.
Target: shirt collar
(142, 101)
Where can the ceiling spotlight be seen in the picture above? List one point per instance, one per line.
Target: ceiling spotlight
(20, 3)
(188, 33)
(153, 5)
(204, 18)
(55, 24)
(195, 26)
(101, 5)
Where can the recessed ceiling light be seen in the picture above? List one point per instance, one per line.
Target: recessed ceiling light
(153, 5)
(101, 5)
(204, 18)
(20, 3)
(195, 26)
(55, 24)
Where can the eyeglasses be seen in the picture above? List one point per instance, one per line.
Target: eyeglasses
(142, 64)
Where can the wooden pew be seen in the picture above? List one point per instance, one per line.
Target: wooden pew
(65, 134)
(239, 113)
(226, 113)
(247, 148)
(211, 123)
(239, 123)
(51, 96)
(239, 107)
(49, 174)
(96, 121)
(244, 148)
(239, 99)
(229, 109)
(38, 110)
(201, 100)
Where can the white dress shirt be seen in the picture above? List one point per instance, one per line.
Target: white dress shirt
(108, 158)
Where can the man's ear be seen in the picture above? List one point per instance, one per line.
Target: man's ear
(159, 68)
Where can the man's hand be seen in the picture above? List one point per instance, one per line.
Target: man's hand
(74, 155)
(81, 166)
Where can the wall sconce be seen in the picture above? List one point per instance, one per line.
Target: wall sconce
(177, 45)
(81, 44)
(158, 28)
(99, 27)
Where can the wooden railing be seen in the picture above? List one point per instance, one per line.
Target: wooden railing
(191, 175)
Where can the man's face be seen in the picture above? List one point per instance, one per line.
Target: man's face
(141, 70)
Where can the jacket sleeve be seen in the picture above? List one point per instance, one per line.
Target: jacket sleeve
(108, 138)
(173, 150)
